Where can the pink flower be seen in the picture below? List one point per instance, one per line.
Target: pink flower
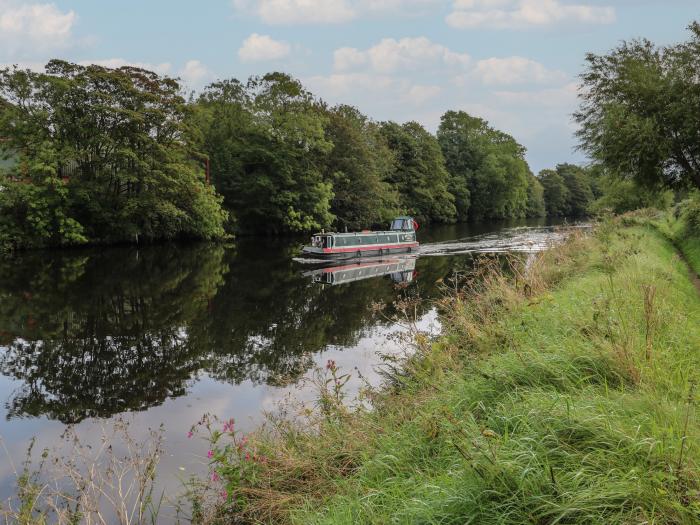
(330, 365)
(228, 425)
(210, 454)
(224, 494)
(215, 476)
(189, 434)
(247, 456)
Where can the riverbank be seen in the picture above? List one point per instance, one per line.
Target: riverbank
(682, 225)
(564, 393)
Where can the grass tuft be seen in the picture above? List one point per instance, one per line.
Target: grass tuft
(562, 390)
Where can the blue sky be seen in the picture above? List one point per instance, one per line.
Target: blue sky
(512, 62)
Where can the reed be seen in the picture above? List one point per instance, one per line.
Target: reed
(557, 393)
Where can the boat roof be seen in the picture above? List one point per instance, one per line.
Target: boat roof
(400, 217)
(373, 232)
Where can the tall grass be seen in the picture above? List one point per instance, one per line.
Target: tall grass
(682, 225)
(110, 481)
(561, 391)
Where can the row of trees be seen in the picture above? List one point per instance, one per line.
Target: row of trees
(284, 161)
(104, 155)
(101, 155)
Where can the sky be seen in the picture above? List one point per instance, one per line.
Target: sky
(512, 62)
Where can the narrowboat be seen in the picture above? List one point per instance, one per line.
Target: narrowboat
(400, 270)
(400, 238)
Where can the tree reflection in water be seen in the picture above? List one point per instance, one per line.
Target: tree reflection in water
(92, 333)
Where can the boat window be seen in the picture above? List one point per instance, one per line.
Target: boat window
(394, 238)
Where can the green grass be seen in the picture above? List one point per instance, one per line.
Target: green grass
(676, 226)
(572, 405)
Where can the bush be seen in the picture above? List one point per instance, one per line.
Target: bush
(690, 214)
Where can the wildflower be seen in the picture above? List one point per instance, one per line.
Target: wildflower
(190, 434)
(215, 476)
(247, 456)
(224, 494)
(228, 425)
(210, 454)
(330, 365)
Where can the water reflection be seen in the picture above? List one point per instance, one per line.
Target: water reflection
(96, 333)
(400, 270)
(93, 333)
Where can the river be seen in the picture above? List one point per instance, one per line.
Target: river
(164, 334)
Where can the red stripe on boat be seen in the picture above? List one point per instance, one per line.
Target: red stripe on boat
(369, 247)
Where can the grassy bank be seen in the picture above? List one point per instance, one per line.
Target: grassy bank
(682, 225)
(564, 393)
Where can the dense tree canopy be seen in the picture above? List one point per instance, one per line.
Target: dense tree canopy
(267, 145)
(91, 154)
(640, 111)
(556, 194)
(488, 172)
(568, 190)
(102, 155)
(359, 166)
(419, 172)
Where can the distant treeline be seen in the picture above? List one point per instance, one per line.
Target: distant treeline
(102, 155)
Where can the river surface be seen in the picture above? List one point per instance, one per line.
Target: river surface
(164, 334)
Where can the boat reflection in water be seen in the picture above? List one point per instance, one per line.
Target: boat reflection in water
(401, 270)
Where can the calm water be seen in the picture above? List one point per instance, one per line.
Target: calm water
(165, 334)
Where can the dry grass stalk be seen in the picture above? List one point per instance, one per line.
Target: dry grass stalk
(91, 485)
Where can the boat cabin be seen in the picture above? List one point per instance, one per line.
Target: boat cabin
(401, 237)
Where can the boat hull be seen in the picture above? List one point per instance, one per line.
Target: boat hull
(345, 253)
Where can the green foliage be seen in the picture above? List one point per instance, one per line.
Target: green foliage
(535, 197)
(556, 193)
(267, 146)
(562, 398)
(419, 173)
(691, 215)
(640, 111)
(579, 193)
(569, 190)
(102, 155)
(623, 195)
(359, 165)
(488, 173)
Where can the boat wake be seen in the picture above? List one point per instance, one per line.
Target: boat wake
(522, 239)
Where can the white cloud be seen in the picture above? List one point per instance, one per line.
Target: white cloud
(291, 12)
(257, 48)
(391, 55)
(515, 70)
(348, 58)
(26, 28)
(114, 63)
(194, 73)
(420, 94)
(522, 13)
(565, 96)
(286, 12)
(339, 85)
